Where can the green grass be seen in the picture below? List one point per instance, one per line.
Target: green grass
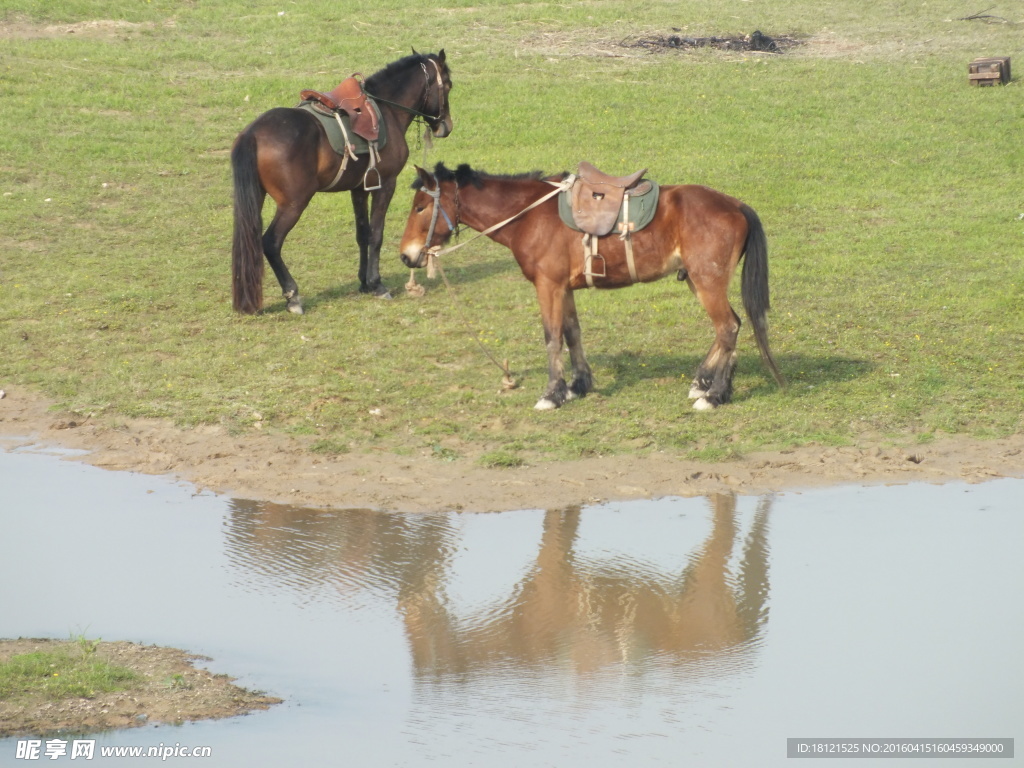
(61, 674)
(889, 188)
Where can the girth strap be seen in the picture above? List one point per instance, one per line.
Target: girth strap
(626, 236)
(374, 157)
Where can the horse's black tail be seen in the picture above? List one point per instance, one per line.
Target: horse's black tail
(247, 244)
(754, 289)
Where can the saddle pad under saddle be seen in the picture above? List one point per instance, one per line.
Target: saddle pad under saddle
(641, 209)
(359, 145)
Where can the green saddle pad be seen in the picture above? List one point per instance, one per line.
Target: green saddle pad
(359, 145)
(641, 209)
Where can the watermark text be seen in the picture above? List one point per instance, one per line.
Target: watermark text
(86, 749)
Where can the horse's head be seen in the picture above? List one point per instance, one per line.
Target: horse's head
(439, 85)
(429, 226)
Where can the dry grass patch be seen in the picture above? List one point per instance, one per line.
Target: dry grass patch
(95, 29)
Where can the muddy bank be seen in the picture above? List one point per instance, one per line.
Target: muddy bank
(170, 689)
(279, 468)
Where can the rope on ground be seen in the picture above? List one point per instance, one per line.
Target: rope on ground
(507, 381)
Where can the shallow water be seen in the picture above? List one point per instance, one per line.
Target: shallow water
(676, 632)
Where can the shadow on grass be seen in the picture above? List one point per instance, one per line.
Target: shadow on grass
(802, 372)
(457, 275)
(478, 270)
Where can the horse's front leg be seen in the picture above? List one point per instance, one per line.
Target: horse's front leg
(373, 238)
(552, 300)
(582, 377)
(360, 206)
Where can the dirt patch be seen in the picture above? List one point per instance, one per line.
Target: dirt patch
(754, 42)
(171, 690)
(281, 469)
(96, 28)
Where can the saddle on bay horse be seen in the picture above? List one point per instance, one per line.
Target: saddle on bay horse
(597, 198)
(350, 98)
(598, 202)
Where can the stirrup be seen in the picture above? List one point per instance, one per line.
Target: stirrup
(367, 175)
(374, 159)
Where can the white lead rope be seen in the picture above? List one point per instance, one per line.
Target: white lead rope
(437, 251)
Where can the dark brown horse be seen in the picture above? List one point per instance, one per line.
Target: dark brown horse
(285, 153)
(697, 233)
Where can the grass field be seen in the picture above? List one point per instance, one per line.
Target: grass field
(889, 188)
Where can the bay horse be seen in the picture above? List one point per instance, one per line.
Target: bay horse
(285, 153)
(697, 233)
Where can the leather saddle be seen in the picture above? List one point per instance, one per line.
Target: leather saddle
(350, 98)
(597, 197)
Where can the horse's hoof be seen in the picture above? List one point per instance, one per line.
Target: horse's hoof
(295, 307)
(570, 395)
(544, 404)
(702, 404)
(383, 293)
(696, 392)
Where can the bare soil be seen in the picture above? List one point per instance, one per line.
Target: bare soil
(171, 690)
(754, 42)
(280, 468)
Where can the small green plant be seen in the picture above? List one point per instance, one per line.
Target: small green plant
(85, 645)
(501, 459)
(329, 446)
(178, 681)
(444, 454)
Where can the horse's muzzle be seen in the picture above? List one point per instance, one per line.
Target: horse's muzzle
(443, 128)
(415, 261)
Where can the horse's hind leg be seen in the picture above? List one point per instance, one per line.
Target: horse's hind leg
(286, 217)
(712, 385)
(582, 377)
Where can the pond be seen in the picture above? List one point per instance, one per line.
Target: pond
(684, 631)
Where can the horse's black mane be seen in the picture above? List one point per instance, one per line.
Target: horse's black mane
(396, 68)
(464, 175)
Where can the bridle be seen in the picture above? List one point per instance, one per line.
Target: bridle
(426, 90)
(426, 95)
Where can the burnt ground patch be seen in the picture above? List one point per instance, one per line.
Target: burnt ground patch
(756, 41)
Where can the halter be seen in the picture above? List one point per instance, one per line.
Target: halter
(435, 193)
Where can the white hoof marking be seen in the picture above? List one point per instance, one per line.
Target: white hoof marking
(544, 405)
(702, 405)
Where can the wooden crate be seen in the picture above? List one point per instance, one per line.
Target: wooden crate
(989, 71)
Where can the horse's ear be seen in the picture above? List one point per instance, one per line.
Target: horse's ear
(415, 52)
(440, 56)
(426, 177)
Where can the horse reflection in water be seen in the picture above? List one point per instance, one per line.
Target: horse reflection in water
(566, 609)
